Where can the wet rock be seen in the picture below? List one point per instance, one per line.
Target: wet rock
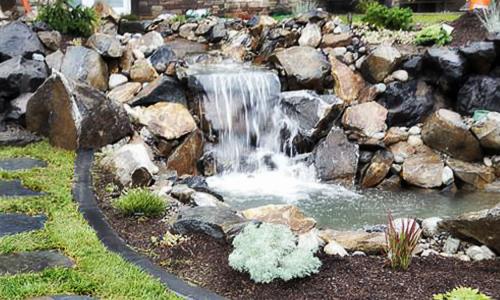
(336, 249)
(395, 135)
(162, 89)
(408, 103)
(50, 39)
(217, 222)
(74, 115)
(18, 39)
(336, 40)
(475, 174)
(445, 67)
(35, 261)
(125, 92)
(430, 226)
(378, 169)
(304, 67)
(487, 130)
(366, 118)
(131, 164)
(445, 131)
(481, 226)
(480, 56)
(105, 44)
(85, 65)
(285, 214)
(142, 71)
(348, 84)
(477, 253)
(369, 243)
(54, 60)
(186, 155)
(167, 120)
(162, 57)
(310, 35)
(479, 92)
(336, 158)
(380, 63)
(423, 170)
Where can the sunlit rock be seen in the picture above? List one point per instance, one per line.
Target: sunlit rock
(284, 214)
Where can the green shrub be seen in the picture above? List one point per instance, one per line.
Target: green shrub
(395, 18)
(269, 252)
(462, 293)
(401, 242)
(140, 201)
(79, 20)
(434, 34)
(362, 5)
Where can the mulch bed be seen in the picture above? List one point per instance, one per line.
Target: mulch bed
(468, 28)
(203, 260)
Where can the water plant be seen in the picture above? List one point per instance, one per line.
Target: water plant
(395, 18)
(491, 17)
(140, 201)
(269, 251)
(462, 293)
(434, 34)
(401, 240)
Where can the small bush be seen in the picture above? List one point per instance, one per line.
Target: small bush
(401, 242)
(462, 293)
(60, 16)
(395, 18)
(140, 201)
(434, 34)
(362, 5)
(270, 252)
(491, 17)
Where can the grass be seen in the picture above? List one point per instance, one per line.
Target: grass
(424, 19)
(140, 201)
(98, 272)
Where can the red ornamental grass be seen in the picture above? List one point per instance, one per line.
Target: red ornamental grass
(401, 242)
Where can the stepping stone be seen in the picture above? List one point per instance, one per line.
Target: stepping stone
(35, 261)
(70, 297)
(22, 163)
(14, 188)
(16, 223)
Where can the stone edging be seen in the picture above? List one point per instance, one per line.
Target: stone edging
(84, 195)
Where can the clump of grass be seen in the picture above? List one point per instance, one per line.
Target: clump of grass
(401, 242)
(140, 201)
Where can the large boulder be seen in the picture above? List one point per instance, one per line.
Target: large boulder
(310, 35)
(445, 131)
(336, 158)
(445, 67)
(304, 67)
(480, 56)
(366, 119)
(408, 103)
(185, 157)
(479, 93)
(16, 39)
(481, 226)
(487, 130)
(348, 84)
(423, 170)
(377, 170)
(74, 115)
(367, 242)
(162, 89)
(474, 174)
(285, 214)
(380, 63)
(85, 65)
(312, 114)
(167, 120)
(105, 44)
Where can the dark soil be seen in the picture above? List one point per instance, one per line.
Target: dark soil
(468, 28)
(203, 260)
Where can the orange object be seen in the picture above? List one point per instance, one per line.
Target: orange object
(27, 6)
(479, 4)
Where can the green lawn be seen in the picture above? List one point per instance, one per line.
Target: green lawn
(98, 272)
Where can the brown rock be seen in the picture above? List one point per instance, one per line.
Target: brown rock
(125, 93)
(379, 167)
(85, 65)
(380, 63)
(186, 155)
(348, 84)
(127, 60)
(336, 40)
(366, 118)
(143, 71)
(445, 131)
(50, 39)
(423, 170)
(476, 174)
(368, 242)
(167, 120)
(284, 214)
(487, 130)
(394, 135)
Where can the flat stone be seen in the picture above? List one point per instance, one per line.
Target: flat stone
(14, 188)
(285, 214)
(16, 223)
(36, 261)
(21, 163)
(368, 242)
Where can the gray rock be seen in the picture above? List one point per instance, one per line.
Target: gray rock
(162, 89)
(85, 65)
(54, 60)
(487, 130)
(451, 245)
(479, 93)
(51, 39)
(334, 248)
(480, 56)
(477, 253)
(16, 223)
(162, 57)
(105, 44)
(310, 35)
(444, 66)
(21, 163)
(36, 261)
(430, 226)
(18, 39)
(14, 188)
(15, 135)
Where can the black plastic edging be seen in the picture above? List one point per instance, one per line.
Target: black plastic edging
(83, 193)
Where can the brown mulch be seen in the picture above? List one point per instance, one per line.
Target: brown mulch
(203, 260)
(468, 28)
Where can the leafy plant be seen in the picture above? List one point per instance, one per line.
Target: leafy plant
(303, 6)
(491, 17)
(434, 34)
(462, 293)
(269, 251)
(362, 5)
(178, 18)
(394, 18)
(401, 240)
(140, 201)
(61, 16)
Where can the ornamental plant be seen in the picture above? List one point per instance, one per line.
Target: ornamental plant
(269, 251)
(434, 34)
(462, 293)
(491, 17)
(401, 241)
(394, 18)
(61, 16)
(140, 201)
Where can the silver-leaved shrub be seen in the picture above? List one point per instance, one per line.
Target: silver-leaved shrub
(269, 251)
